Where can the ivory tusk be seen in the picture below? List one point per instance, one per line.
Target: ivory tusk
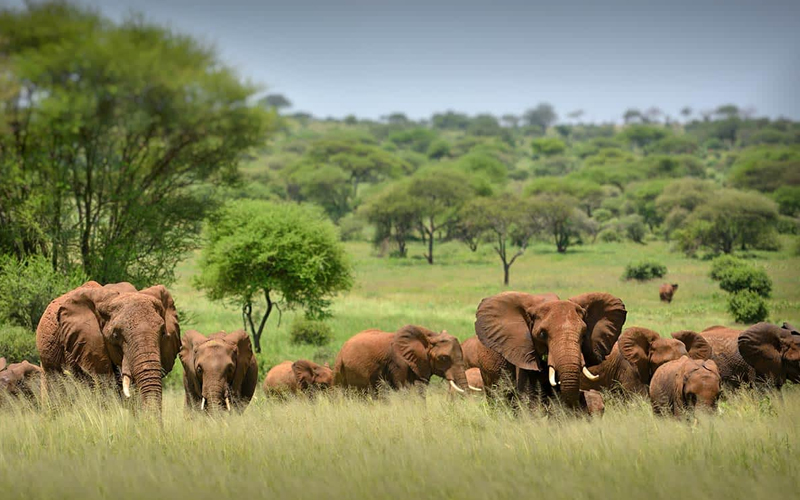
(203, 404)
(475, 388)
(126, 386)
(589, 375)
(228, 403)
(553, 376)
(459, 389)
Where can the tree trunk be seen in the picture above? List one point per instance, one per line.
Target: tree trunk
(257, 334)
(506, 267)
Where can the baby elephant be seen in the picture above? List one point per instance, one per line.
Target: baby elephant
(16, 379)
(218, 369)
(666, 292)
(684, 384)
(299, 376)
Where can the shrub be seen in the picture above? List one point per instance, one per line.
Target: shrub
(351, 228)
(610, 235)
(721, 265)
(645, 270)
(747, 307)
(306, 331)
(18, 344)
(27, 286)
(741, 278)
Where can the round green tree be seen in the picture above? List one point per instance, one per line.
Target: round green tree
(288, 253)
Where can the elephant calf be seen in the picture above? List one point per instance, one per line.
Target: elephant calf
(218, 368)
(16, 379)
(683, 384)
(409, 356)
(298, 376)
(637, 355)
(666, 292)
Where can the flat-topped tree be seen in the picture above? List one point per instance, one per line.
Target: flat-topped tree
(288, 253)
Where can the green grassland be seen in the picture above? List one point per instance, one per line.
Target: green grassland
(403, 445)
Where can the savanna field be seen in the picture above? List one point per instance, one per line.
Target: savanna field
(87, 445)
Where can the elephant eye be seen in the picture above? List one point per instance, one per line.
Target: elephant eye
(199, 369)
(444, 357)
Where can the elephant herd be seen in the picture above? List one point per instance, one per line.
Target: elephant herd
(532, 348)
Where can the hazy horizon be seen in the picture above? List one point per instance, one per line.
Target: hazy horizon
(374, 58)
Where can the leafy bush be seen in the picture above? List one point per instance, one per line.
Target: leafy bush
(634, 227)
(18, 344)
(306, 331)
(645, 270)
(610, 235)
(747, 307)
(721, 265)
(351, 228)
(27, 286)
(737, 279)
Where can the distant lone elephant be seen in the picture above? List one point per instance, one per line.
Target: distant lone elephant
(217, 369)
(17, 379)
(112, 331)
(298, 376)
(666, 292)
(549, 341)
(637, 355)
(407, 357)
(683, 384)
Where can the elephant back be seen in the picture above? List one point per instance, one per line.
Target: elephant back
(724, 342)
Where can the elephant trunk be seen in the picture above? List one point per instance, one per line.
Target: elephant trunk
(145, 368)
(457, 377)
(216, 396)
(565, 369)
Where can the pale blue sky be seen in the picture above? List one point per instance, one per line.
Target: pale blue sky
(371, 58)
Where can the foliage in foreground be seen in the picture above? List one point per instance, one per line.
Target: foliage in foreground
(403, 446)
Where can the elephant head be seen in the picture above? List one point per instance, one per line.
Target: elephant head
(311, 375)
(541, 332)
(646, 350)
(773, 351)
(427, 353)
(135, 334)
(699, 384)
(215, 365)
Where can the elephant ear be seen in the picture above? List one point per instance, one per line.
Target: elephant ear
(304, 373)
(246, 376)
(503, 324)
(81, 318)
(3, 364)
(191, 339)
(171, 341)
(760, 346)
(411, 343)
(697, 347)
(604, 318)
(634, 345)
(711, 366)
(792, 329)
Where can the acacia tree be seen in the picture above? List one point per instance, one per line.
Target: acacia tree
(440, 193)
(506, 221)
(110, 129)
(559, 217)
(395, 213)
(289, 254)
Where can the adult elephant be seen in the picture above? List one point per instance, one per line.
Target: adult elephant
(550, 341)
(773, 352)
(218, 368)
(113, 331)
(298, 376)
(637, 355)
(733, 369)
(409, 356)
